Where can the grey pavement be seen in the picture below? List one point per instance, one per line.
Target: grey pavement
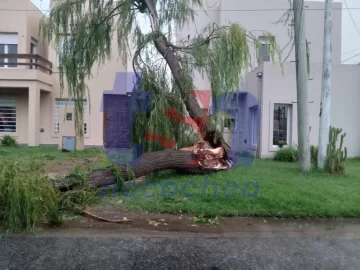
(119, 252)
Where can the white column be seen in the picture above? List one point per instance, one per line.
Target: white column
(34, 115)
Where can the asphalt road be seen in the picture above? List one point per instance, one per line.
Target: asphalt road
(179, 253)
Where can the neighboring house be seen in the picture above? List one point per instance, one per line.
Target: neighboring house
(274, 89)
(32, 108)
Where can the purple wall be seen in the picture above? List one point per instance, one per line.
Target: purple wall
(244, 135)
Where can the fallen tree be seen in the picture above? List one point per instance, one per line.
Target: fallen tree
(222, 53)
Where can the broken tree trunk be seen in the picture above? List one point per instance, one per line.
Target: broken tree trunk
(195, 159)
(149, 163)
(200, 159)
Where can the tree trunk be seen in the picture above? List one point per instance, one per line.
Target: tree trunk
(184, 161)
(302, 86)
(325, 104)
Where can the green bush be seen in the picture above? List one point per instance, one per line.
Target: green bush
(26, 197)
(288, 154)
(335, 157)
(9, 141)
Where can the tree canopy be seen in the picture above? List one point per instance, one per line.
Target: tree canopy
(166, 66)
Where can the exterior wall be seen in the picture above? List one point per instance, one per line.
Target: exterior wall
(278, 88)
(241, 134)
(16, 83)
(257, 16)
(103, 79)
(15, 22)
(33, 20)
(26, 24)
(255, 21)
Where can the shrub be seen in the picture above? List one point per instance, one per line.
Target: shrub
(9, 141)
(288, 154)
(26, 197)
(335, 157)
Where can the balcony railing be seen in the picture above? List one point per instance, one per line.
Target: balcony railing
(33, 61)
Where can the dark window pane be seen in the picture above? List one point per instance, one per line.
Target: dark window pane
(7, 119)
(280, 124)
(33, 51)
(2, 51)
(265, 56)
(12, 49)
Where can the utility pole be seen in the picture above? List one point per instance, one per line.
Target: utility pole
(325, 104)
(302, 86)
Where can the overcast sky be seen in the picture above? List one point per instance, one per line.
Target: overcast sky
(350, 35)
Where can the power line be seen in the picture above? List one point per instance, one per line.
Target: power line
(357, 28)
(241, 10)
(350, 58)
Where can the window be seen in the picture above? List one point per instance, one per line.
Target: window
(263, 52)
(254, 117)
(65, 42)
(281, 130)
(68, 104)
(33, 50)
(7, 115)
(8, 45)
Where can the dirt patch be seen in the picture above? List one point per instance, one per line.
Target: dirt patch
(56, 169)
(166, 225)
(139, 221)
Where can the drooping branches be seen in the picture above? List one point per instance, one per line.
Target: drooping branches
(166, 66)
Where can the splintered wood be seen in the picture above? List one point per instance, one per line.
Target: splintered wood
(209, 158)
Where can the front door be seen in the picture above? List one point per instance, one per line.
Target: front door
(116, 121)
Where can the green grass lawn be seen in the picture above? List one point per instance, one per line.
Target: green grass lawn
(282, 192)
(43, 153)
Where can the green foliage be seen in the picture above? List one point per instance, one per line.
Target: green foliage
(288, 154)
(9, 141)
(201, 219)
(314, 155)
(222, 53)
(335, 156)
(80, 196)
(26, 197)
(282, 143)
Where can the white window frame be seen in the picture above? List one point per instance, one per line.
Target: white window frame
(264, 41)
(288, 123)
(7, 39)
(9, 103)
(254, 116)
(63, 103)
(61, 45)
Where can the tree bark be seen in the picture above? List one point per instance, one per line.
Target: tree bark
(325, 104)
(185, 84)
(302, 86)
(185, 161)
